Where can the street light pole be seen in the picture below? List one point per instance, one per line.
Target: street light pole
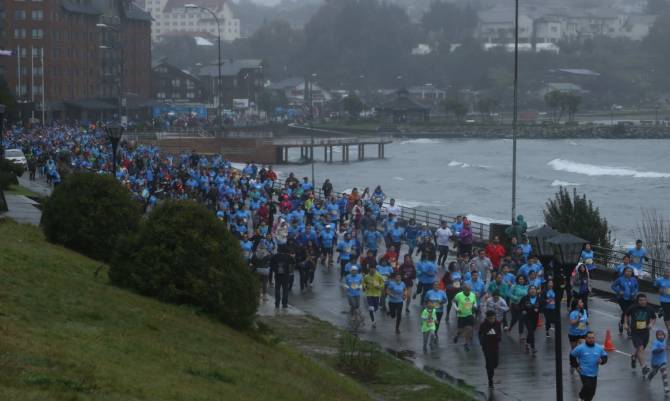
(219, 92)
(514, 118)
(119, 83)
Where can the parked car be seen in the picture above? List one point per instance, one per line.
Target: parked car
(16, 156)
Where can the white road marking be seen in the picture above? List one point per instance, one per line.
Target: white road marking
(623, 353)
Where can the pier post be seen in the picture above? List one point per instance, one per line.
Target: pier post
(362, 149)
(331, 153)
(311, 153)
(285, 154)
(344, 153)
(382, 147)
(325, 154)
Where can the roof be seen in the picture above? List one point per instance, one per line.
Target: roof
(402, 102)
(231, 68)
(641, 20)
(578, 71)
(213, 5)
(286, 83)
(80, 8)
(136, 13)
(564, 86)
(173, 69)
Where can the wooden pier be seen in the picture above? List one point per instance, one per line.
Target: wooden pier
(307, 148)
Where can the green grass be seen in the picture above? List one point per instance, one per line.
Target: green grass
(397, 380)
(19, 190)
(68, 335)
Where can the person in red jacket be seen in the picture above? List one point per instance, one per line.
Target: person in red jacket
(495, 252)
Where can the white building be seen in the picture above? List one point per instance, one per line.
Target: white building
(497, 26)
(170, 16)
(637, 27)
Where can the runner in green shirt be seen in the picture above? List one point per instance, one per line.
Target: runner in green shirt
(373, 286)
(466, 304)
(428, 320)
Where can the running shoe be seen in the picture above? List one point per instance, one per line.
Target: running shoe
(620, 328)
(467, 347)
(645, 370)
(632, 362)
(455, 339)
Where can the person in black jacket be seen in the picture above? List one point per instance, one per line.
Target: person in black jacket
(530, 309)
(490, 333)
(283, 266)
(327, 188)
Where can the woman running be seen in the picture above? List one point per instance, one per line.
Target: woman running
(579, 323)
(397, 294)
(518, 291)
(581, 284)
(530, 310)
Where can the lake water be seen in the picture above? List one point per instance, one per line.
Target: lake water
(474, 176)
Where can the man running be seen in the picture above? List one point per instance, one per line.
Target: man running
(663, 285)
(354, 282)
(466, 304)
(442, 237)
(490, 334)
(397, 293)
(640, 319)
(373, 285)
(587, 358)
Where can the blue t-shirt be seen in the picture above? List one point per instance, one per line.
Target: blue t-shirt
(372, 238)
(658, 355)
(588, 358)
(663, 286)
(396, 234)
(385, 271)
(637, 257)
(327, 238)
(354, 284)
(437, 298)
(396, 292)
(426, 270)
(582, 325)
(550, 300)
(478, 287)
(627, 286)
(346, 248)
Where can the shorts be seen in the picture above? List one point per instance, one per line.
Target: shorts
(466, 321)
(666, 311)
(576, 338)
(640, 338)
(354, 301)
(373, 303)
(326, 250)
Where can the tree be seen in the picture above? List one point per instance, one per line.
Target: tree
(269, 101)
(654, 230)
(184, 255)
(353, 105)
(456, 107)
(570, 102)
(486, 106)
(577, 215)
(90, 213)
(452, 23)
(554, 101)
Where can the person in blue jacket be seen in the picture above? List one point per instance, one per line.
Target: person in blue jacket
(587, 358)
(625, 288)
(659, 360)
(663, 285)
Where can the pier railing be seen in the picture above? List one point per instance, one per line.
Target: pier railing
(610, 259)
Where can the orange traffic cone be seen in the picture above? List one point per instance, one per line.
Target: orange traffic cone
(539, 321)
(609, 346)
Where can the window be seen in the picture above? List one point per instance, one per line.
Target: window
(160, 95)
(176, 83)
(190, 95)
(37, 51)
(19, 33)
(37, 15)
(190, 84)
(24, 52)
(37, 89)
(37, 70)
(19, 15)
(38, 34)
(21, 90)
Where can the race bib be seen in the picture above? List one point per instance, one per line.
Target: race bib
(641, 325)
(355, 286)
(581, 326)
(467, 304)
(347, 250)
(457, 284)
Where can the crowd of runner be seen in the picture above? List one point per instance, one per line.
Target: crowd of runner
(384, 262)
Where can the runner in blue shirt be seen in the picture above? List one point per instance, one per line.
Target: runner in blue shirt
(663, 285)
(425, 271)
(638, 255)
(411, 236)
(659, 360)
(397, 293)
(587, 257)
(386, 270)
(586, 358)
(625, 288)
(476, 285)
(327, 239)
(579, 323)
(346, 249)
(372, 239)
(354, 284)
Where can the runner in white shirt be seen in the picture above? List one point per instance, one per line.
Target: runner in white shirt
(442, 237)
(392, 208)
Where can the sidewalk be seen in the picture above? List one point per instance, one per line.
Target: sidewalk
(23, 209)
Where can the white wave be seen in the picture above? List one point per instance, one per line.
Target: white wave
(559, 183)
(398, 178)
(573, 143)
(485, 220)
(595, 170)
(420, 141)
(456, 163)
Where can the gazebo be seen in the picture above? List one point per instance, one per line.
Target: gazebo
(403, 109)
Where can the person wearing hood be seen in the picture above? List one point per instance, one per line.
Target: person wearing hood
(580, 283)
(518, 228)
(466, 239)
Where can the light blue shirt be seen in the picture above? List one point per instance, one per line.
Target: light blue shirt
(588, 358)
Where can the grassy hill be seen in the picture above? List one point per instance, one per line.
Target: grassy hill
(66, 334)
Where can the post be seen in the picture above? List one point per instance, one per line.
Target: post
(311, 157)
(514, 118)
(558, 348)
(44, 88)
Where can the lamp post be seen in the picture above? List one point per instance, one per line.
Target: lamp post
(119, 83)
(538, 239)
(515, 111)
(566, 250)
(114, 132)
(219, 94)
(2, 132)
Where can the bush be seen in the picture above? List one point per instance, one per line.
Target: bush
(9, 172)
(183, 254)
(89, 213)
(359, 358)
(577, 215)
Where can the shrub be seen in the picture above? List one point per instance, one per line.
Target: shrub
(577, 215)
(183, 254)
(89, 213)
(359, 358)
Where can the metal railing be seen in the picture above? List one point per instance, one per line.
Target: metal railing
(609, 259)
(480, 231)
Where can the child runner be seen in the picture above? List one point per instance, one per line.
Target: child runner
(428, 319)
(437, 298)
(659, 360)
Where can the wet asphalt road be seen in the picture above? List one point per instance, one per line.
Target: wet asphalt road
(519, 375)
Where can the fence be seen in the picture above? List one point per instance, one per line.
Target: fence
(609, 259)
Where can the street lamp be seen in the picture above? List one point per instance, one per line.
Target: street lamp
(567, 249)
(539, 240)
(2, 132)
(119, 46)
(219, 114)
(114, 132)
(516, 103)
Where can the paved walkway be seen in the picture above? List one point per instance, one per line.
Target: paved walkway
(23, 209)
(521, 376)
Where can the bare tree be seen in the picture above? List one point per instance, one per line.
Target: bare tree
(654, 231)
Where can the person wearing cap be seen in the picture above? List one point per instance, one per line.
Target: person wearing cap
(327, 239)
(625, 288)
(354, 284)
(346, 249)
(490, 334)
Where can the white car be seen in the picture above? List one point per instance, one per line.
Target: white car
(16, 156)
